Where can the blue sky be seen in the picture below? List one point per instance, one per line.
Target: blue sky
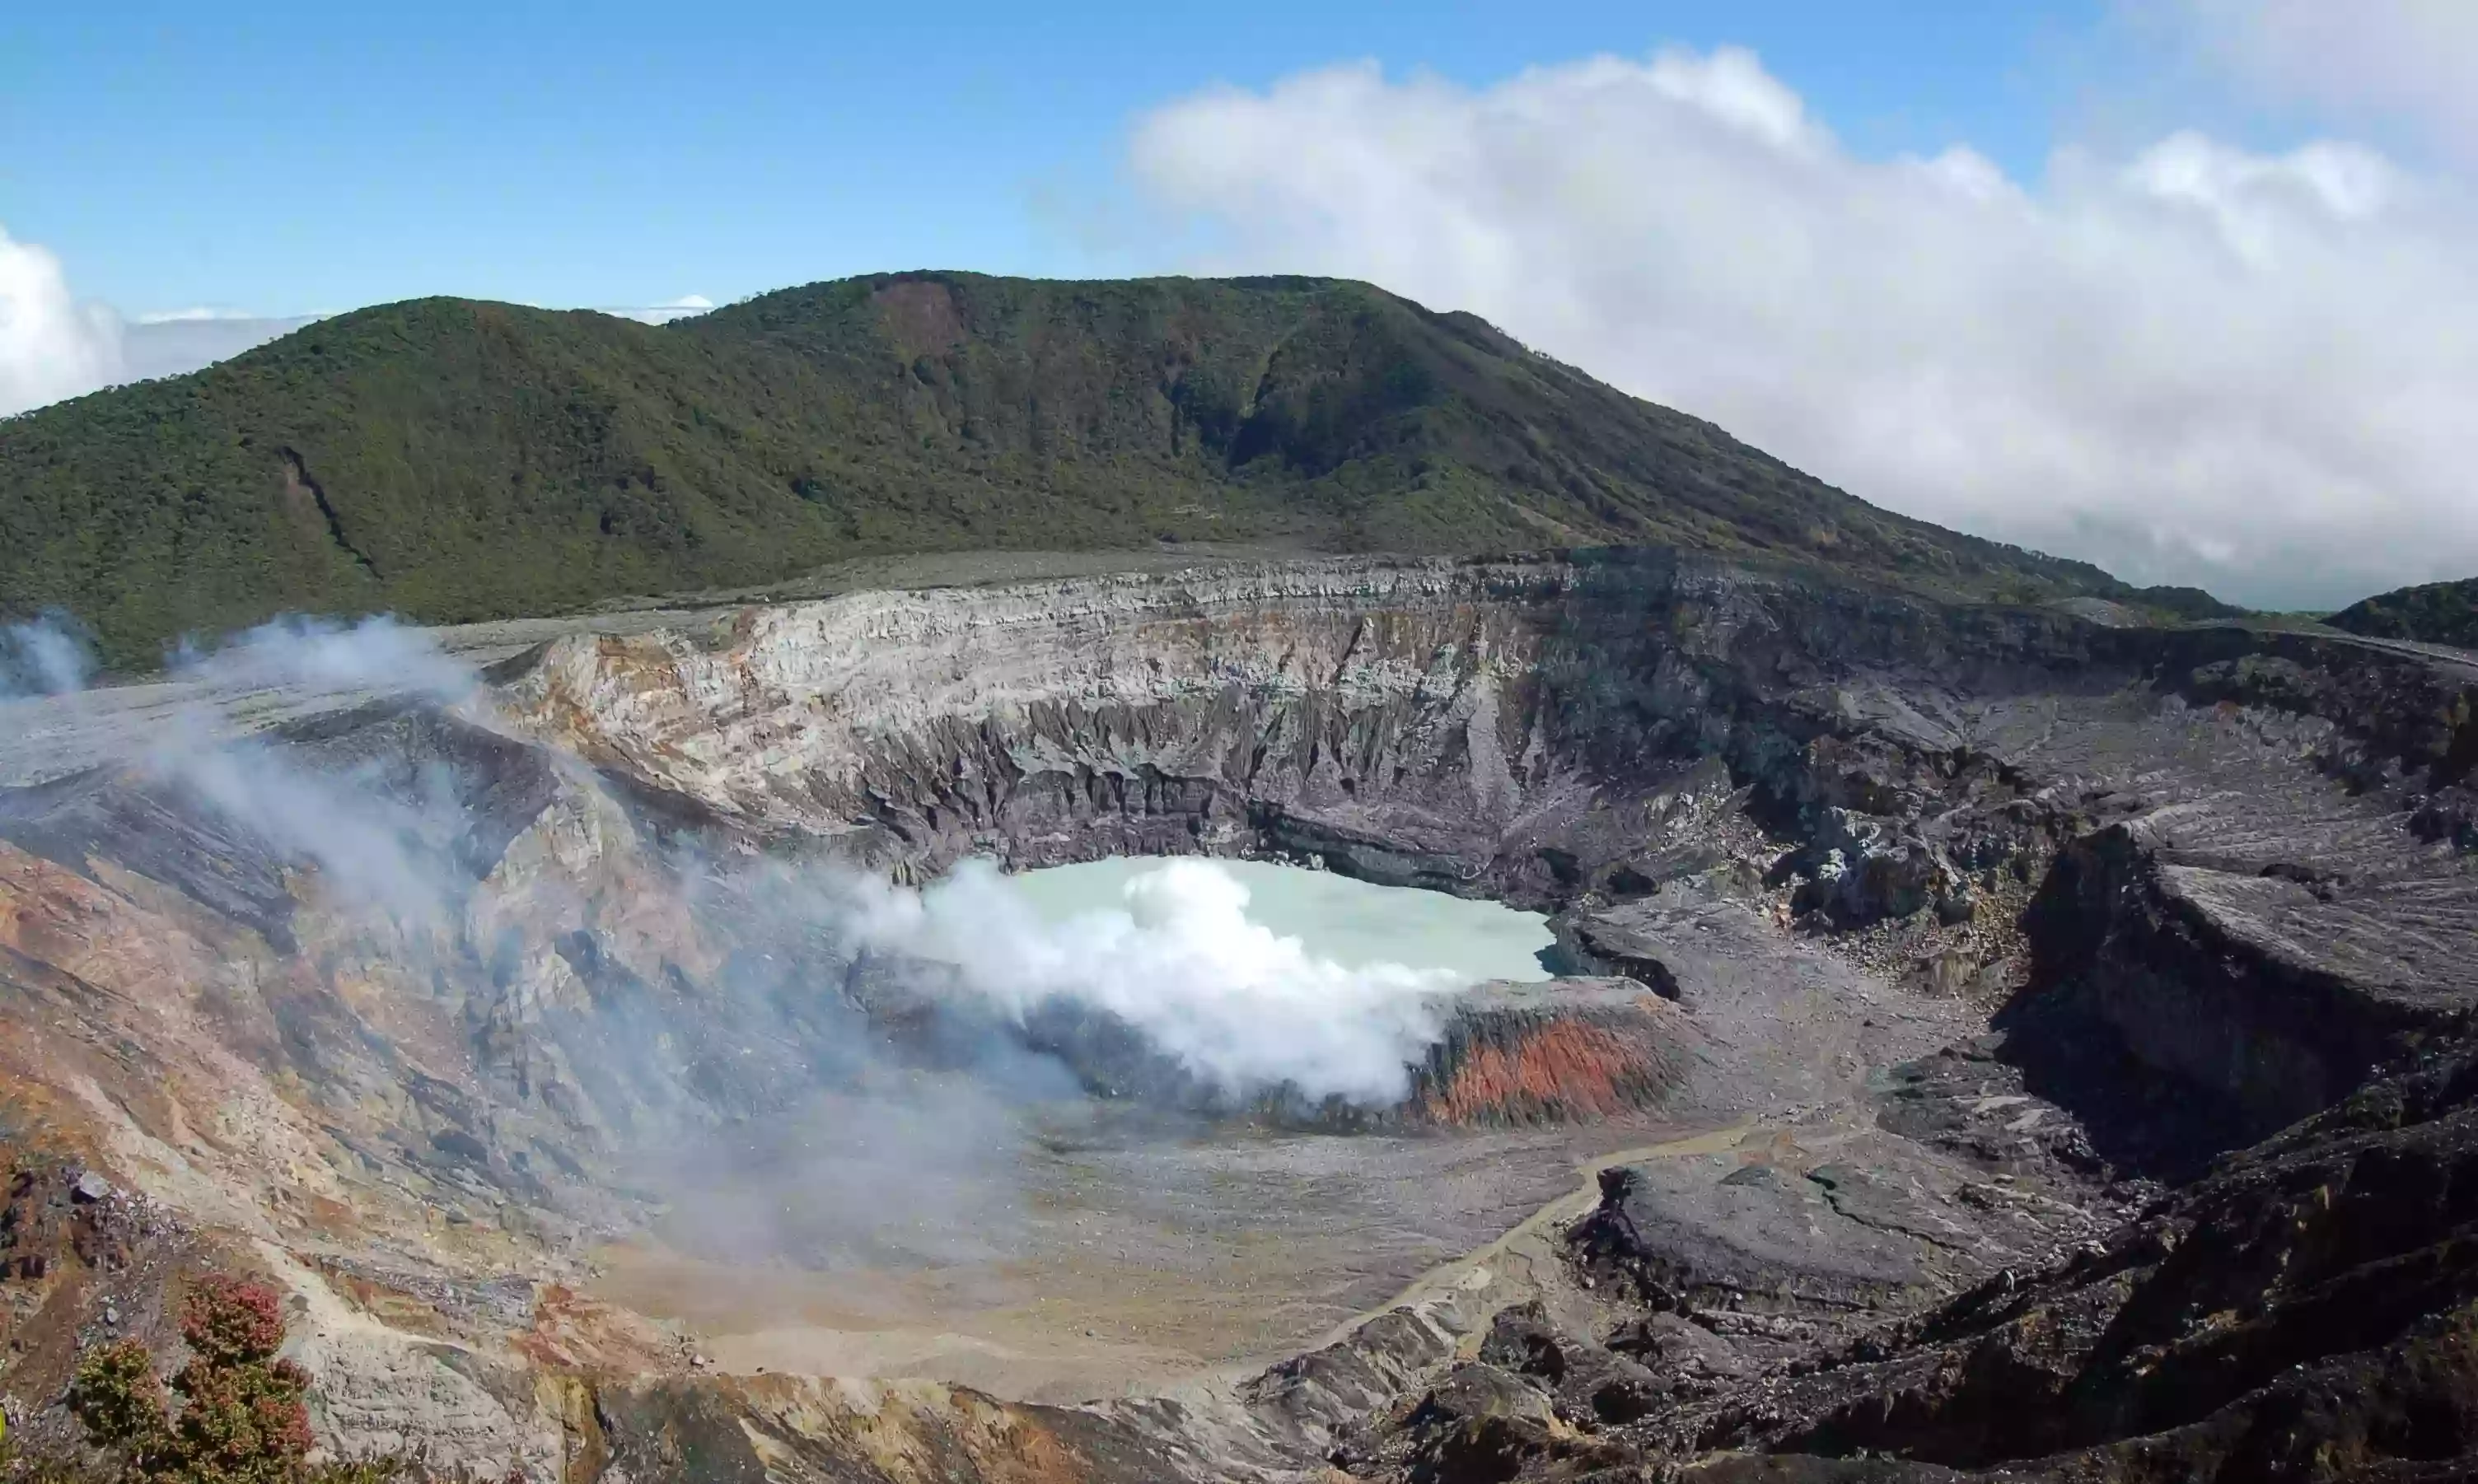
(283, 156)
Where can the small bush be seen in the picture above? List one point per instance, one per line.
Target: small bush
(243, 1419)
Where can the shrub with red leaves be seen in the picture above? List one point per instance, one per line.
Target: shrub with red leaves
(241, 1420)
(231, 1321)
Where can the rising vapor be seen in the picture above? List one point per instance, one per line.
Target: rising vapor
(1242, 1008)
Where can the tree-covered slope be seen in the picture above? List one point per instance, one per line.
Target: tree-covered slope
(2439, 612)
(455, 460)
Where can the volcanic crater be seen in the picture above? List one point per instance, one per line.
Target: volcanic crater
(1942, 988)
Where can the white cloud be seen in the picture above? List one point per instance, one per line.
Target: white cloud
(200, 314)
(51, 345)
(175, 344)
(681, 307)
(2193, 364)
(2415, 61)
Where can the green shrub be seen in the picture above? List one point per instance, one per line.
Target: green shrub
(241, 1420)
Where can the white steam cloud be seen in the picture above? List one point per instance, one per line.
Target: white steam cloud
(41, 659)
(51, 345)
(2196, 364)
(374, 851)
(1241, 1006)
(380, 846)
(319, 657)
(867, 1164)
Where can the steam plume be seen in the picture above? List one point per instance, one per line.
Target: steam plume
(40, 659)
(1241, 1006)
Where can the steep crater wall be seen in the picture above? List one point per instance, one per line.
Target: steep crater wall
(1494, 728)
(1562, 732)
(2286, 906)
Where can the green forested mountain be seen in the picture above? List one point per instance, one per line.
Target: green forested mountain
(2439, 612)
(454, 459)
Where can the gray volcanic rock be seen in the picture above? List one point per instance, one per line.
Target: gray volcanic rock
(2278, 971)
(1478, 1426)
(1589, 1382)
(2300, 1313)
(1783, 1254)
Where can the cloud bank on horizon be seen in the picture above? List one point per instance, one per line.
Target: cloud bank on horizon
(54, 346)
(2196, 364)
(2405, 62)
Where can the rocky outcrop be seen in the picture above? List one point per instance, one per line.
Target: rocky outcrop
(1571, 1049)
(1523, 729)
(2300, 1313)
(1773, 1252)
(2266, 982)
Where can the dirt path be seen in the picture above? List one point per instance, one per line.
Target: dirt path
(1512, 1261)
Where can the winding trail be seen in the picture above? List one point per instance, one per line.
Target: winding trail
(1512, 1259)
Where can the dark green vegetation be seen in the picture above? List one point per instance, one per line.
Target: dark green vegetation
(453, 460)
(2439, 613)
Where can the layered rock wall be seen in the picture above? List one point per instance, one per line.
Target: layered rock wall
(1549, 730)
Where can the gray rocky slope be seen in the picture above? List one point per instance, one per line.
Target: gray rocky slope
(1966, 974)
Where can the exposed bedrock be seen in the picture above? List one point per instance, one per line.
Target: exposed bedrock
(1526, 730)
(2304, 1312)
(2249, 875)
(2273, 979)
(1554, 732)
(1567, 1050)
(2260, 890)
